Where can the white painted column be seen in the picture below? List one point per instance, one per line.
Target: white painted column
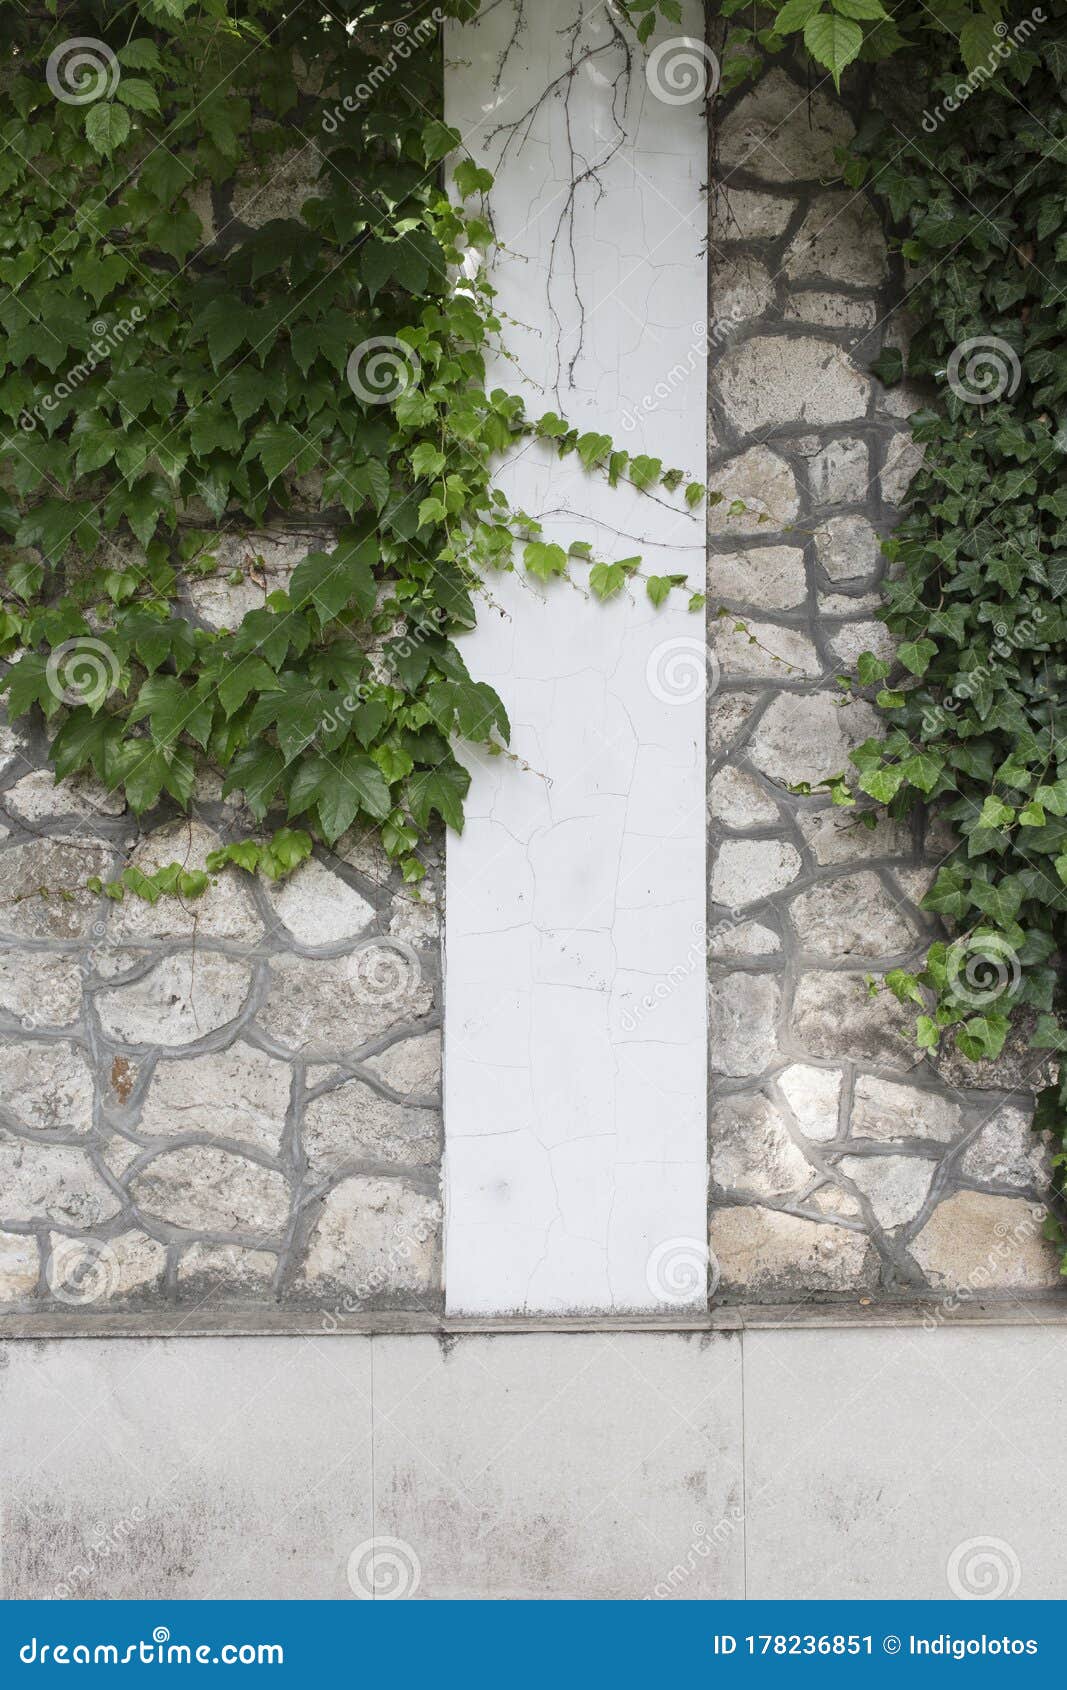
(575, 1048)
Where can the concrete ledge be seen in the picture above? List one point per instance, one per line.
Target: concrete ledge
(279, 1323)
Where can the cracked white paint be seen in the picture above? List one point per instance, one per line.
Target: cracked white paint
(575, 1049)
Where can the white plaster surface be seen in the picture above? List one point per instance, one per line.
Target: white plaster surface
(574, 1109)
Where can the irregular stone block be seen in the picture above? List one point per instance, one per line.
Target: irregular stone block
(375, 1240)
(211, 1271)
(849, 548)
(835, 1018)
(83, 1271)
(838, 835)
(341, 1003)
(850, 642)
(768, 577)
(411, 1067)
(240, 1093)
(53, 1182)
(784, 133)
(1007, 1151)
(762, 651)
(43, 887)
(318, 907)
(727, 717)
(41, 988)
(895, 1186)
(225, 911)
(903, 461)
(746, 870)
(814, 1096)
(267, 566)
(201, 1189)
(839, 472)
(975, 1243)
(829, 310)
(853, 916)
(883, 1110)
(742, 1023)
(736, 799)
(742, 289)
(751, 1150)
(19, 1266)
(760, 1251)
(763, 483)
(354, 1124)
(741, 215)
(732, 940)
(808, 737)
(39, 796)
(774, 380)
(184, 998)
(47, 1087)
(840, 240)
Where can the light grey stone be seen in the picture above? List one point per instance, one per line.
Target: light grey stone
(903, 460)
(763, 483)
(849, 548)
(808, 737)
(835, 1018)
(184, 998)
(852, 916)
(239, 1093)
(738, 800)
(895, 1186)
(226, 1268)
(19, 1266)
(839, 473)
(47, 1088)
(341, 1003)
(780, 379)
(277, 186)
(760, 1252)
(201, 1189)
(730, 940)
(43, 887)
(1007, 1151)
(318, 907)
(855, 638)
(747, 870)
(762, 651)
(849, 603)
(837, 835)
(840, 240)
(741, 215)
(374, 1239)
(41, 988)
(978, 1242)
(225, 911)
(266, 566)
(751, 1150)
(354, 1124)
(1018, 1068)
(415, 916)
(743, 289)
(742, 1023)
(84, 1272)
(834, 1200)
(829, 310)
(727, 717)
(12, 744)
(768, 577)
(884, 1110)
(38, 796)
(55, 1182)
(411, 1067)
(784, 133)
(814, 1096)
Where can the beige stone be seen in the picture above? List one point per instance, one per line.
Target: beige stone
(750, 650)
(56, 1182)
(783, 133)
(353, 1123)
(852, 916)
(82, 1271)
(839, 835)
(733, 940)
(808, 736)
(19, 1266)
(43, 887)
(976, 1242)
(225, 911)
(1007, 1151)
(763, 483)
(773, 380)
(201, 1189)
(41, 988)
(239, 1093)
(840, 240)
(768, 577)
(849, 547)
(226, 1269)
(374, 1239)
(835, 1018)
(751, 1151)
(829, 310)
(760, 1251)
(342, 1003)
(39, 796)
(737, 799)
(740, 215)
(884, 1110)
(411, 1067)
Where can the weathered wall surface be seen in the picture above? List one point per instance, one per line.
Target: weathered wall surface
(839, 1162)
(231, 1103)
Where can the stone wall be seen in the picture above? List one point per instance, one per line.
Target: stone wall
(839, 1162)
(232, 1103)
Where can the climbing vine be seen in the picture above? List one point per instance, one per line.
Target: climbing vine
(184, 381)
